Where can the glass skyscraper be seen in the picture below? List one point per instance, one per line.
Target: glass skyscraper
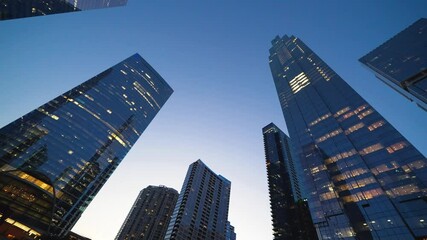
(401, 62)
(11, 9)
(55, 159)
(363, 178)
(290, 214)
(149, 216)
(201, 211)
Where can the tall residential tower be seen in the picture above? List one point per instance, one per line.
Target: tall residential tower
(149, 216)
(202, 208)
(55, 159)
(290, 214)
(364, 179)
(401, 62)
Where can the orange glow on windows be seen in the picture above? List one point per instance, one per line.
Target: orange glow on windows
(370, 149)
(354, 128)
(397, 146)
(340, 112)
(403, 190)
(329, 135)
(319, 119)
(376, 125)
(365, 113)
(340, 156)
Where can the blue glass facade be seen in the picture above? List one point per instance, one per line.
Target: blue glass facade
(55, 159)
(230, 234)
(290, 215)
(94, 4)
(363, 178)
(11, 9)
(401, 62)
(201, 211)
(149, 216)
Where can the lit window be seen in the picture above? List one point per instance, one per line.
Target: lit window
(88, 97)
(299, 82)
(384, 168)
(371, 149)
(365, 113)
(340, 112)
(375, 125)
(113, 135)
(354, 128)
(340, 156)
(417, 164)
(329, 135)
(319, 119)
(327, 196)
(397, 146)
(54, 117)
(404, 190)
(323, 73)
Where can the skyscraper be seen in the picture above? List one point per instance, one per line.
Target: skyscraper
(150, 214)
(11, 9)
(401, 62)
(364, 179)
(55, 159)
(201, 211)
(288, 210)
(229, 233)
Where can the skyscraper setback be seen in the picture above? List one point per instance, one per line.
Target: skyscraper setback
(290, 215)
(201, 211)
(55, 159)
(401, 62)
(364, 179)
(149, 216)
(11, 9)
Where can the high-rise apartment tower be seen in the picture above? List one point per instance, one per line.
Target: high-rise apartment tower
(202, 208)
(150, 214)
(363, 178)
(290, 214)
(55, 159)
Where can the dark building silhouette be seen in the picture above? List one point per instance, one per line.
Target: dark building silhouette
(201, 211)
(55, 159)
(150, 214)
(290, 215)
(364, 180)
(11, 9)
(401, 62)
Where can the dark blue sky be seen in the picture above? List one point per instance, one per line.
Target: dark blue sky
(215, 56)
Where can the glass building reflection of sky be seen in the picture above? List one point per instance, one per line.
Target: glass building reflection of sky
(55, 159)
(11, 9)
(363, 178)
(401, 62)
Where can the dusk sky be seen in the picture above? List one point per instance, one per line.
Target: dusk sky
(214, 54)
